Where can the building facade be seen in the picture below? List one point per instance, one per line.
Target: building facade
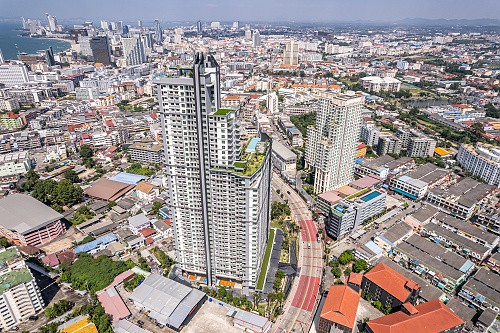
(482, 161)
(219, 193)
(331, 144)
(133, 51)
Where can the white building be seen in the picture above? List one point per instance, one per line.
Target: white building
(420, 147)
(20, 296)
(346, 216)
(133, 51)
(219, 195)
(370, 134)
(17, 163)
(376, 83)
(291, 53)
(482, 161)
(256, 38)
(331, 144)
(284, 160)
(13, 74)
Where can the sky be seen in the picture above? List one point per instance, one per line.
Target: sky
(252, 10)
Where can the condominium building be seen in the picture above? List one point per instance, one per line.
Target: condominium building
(482, 161)
(331, 144)
(219, 193)
(291, 53)
(133, 51)
(146, 152)
(20, 296)
(388, 144)
(370, 134)
(346, 216)
(376, 83)
(13, 74)
(420, 147)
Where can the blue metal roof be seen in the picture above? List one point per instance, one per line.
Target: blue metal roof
(128, 178)
(373, 247)
(87, 247)
(466, 266)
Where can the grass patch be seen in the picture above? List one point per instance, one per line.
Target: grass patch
(222, 112)
(265, 262)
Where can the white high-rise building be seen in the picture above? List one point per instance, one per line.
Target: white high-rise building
(256, 38)
(219, 193)
(20, 296)
(133, 51)
(248, 34)
(2, 60)
(331, 144)
(482, 161)
(13, 74)
(291, 53)
(52, 22)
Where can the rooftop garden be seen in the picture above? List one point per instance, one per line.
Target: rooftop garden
(222, 112)
(14, 278)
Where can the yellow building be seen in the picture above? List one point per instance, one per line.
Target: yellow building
(80, 326)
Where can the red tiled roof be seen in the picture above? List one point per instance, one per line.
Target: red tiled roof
(50, 260)
(431, 317)
(146, 232)
(341, 305)
(149, 240)
(355, 278)
(391, 281)
(410, 308)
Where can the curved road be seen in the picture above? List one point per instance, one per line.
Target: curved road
(298, 310)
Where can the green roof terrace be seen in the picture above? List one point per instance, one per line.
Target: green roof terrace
(14, 278)
(8, 255)
(222, 112)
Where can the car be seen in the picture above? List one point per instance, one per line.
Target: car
(140, 322)
(288, 192)
(33, 318)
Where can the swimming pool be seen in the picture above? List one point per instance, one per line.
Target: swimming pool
(252, 145)
(370, 196)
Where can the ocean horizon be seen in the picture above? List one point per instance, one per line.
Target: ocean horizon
(11, 43)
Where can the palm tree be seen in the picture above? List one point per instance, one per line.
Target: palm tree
(257, 297)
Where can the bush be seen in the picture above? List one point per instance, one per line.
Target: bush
(58, 309)
(346, 257)
(359, 266)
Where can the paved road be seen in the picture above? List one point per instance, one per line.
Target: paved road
(298, 310)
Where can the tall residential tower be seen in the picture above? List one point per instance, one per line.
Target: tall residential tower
(331, 144)
(219, 193)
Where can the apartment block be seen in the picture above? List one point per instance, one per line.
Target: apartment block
(482, 161)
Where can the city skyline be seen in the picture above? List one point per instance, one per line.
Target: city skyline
(278, 11)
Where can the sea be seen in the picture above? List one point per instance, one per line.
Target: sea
(11, 43)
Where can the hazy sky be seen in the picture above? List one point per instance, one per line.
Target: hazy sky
(252, 10)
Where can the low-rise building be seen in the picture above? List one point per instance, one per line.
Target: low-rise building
(284, 160)
(138, 222)
(146, 192)
(339, 310)
(482, 290)
(376, 83)
(146, 153)
(430, 317)
(26, 221)
(443, 268)
(460, 199)
(17, 163)
(389, 287)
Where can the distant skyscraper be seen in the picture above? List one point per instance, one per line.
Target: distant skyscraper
(2, 60)
(133, 51)
(125, 30)
(100, 49)
(25, 23)
(291, 53)
(215, 25)
(139, 23)
(219, 195)
(331, 144)
(248, 34)
(104, 25)
(199, 27)
(256, 38)
(158, 33)
(52, 22)
(236, 24)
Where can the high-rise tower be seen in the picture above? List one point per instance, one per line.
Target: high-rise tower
(219, 193)
(331, 144)
(158, 33)
(133, 50)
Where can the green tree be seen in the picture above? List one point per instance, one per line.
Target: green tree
(31, 179)
(72, 176)
(359, 265)
(86, 151)
(4, 242)
(346, 257)
(337, 272)
(156, 207)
